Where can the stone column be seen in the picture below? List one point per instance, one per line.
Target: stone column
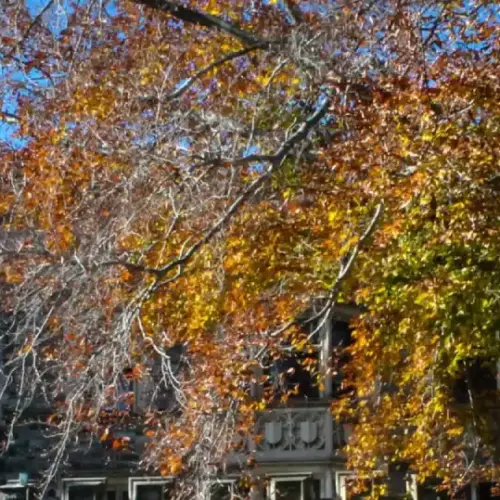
(327, 487)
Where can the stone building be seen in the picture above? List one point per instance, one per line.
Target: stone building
(299, 455)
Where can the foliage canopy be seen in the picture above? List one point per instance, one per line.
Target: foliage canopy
(200, 173)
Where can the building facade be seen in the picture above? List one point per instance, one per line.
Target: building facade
(298, 455)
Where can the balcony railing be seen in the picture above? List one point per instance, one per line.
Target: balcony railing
(297, 434)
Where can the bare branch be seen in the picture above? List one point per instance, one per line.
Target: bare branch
(203, 19)
(344, 270)
(228, 57)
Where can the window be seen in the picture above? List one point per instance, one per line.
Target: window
(341, 334)
(426, 492)
(221, 491)
(117, 492)
(477, 376)
(487, 491)
(342, 486)
(84, 489)
(149, 488)
(400, 488)
(313, 330)
(125, 392)
(329, 338)
(295, 374)
(83, 493)
(16, 491)
(156, 389)
(340, 338)
(294, 488)
(151, 492)
(305, 373)
(228, 490)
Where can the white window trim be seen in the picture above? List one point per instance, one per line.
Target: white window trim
(341, 491)
(229, 481)
(301, 477)
(13, 485)
(340, 484)
(81, 481)
(412, 486)
(118, 489)
(136, 482)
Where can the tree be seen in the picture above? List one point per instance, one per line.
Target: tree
(195, 175)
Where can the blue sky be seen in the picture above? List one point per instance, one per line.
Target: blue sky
(56, 16)
(56, 20)
(8, 127)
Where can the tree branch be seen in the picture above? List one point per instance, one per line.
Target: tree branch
(275, 160)
(229, 57)
(192, 16)
(345, 269)
(290, 143)
(293, 11)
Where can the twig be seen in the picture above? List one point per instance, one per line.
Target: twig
(275, 161)
(229, 57)
(342, 274)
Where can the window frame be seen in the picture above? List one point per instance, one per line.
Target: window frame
(119, 489)
(316, 350)
(95, 482)
(322, 347)
(147, 386)
(281, 375)
(136, 482)
(231, 482)
(341, 490)
(300, 477)
(14, 486)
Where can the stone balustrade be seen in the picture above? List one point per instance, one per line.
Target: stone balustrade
(297, 434)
